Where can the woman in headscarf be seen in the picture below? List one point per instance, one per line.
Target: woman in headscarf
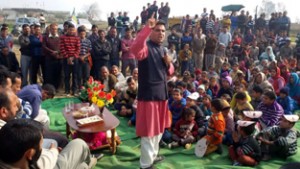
(268, 54)
(261, 81)
(294, 87)
(276, 80)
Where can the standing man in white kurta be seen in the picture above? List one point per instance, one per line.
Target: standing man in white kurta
(152, 115)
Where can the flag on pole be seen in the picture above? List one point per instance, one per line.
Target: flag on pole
(73, 17)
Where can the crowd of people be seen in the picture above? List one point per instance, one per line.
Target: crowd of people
(233, 81)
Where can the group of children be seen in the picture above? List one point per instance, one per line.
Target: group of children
(249, 123)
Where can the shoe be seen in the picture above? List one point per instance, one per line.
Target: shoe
(219, 149)
(163, 144)
(158, 159)
(93, 162)
(151, 167)
(235, 163)
(67, 94)
(266, 157)
(98, 156)
(76, 94)
(188, 146)
(173, 145)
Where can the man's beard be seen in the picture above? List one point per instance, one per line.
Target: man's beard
(33, 162)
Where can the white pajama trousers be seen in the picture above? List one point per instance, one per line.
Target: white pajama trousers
(149, 150)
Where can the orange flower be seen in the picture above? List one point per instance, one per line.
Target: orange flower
(101, 94)
(113, 93)
(108, 96)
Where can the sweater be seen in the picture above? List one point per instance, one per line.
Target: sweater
(183, 125)
(35, 45)
(69, 46)
(215, 129)
(283, 138)
(271, 113)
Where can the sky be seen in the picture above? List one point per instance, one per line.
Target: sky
(134, 7)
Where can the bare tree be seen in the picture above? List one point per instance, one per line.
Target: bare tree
(93, 11)
(281, 7)
(267, 7)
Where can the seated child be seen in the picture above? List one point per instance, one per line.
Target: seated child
(199, 117)
(281, 140)
(186, 130)
(253, 116)
(214, 86)
(241, 104)
(215, 129)
(226, 87)
(204, 76)
(229, 121)
(272, 111)
(256, 95)
(234, 71)
(226, 97)
(183, 87)
(177, 105)
(170, 86)
(225, 70)
(245, 150)
(201, 91)
(207, 89)
(205, 106)
(239, 88)
(212, 72)
(287, 103)
(241, 78)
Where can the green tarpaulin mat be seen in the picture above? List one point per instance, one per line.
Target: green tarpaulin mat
(128, 153)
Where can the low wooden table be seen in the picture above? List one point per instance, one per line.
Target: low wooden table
(110, 122)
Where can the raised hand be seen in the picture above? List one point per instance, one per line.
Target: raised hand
(152, 21)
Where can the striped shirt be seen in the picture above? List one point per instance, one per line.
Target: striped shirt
(284, 138)
(210, 25)
(69, 46)
(271, 113)
(250, 147)
(85, 46)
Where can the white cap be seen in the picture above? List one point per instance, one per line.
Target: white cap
(244, 123)
(253, 114)
(291, 117)
(194, 96)
(201, 87)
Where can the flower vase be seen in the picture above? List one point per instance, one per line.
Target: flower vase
(101, 109)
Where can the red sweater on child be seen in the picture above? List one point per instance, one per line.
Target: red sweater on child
(184, 125)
